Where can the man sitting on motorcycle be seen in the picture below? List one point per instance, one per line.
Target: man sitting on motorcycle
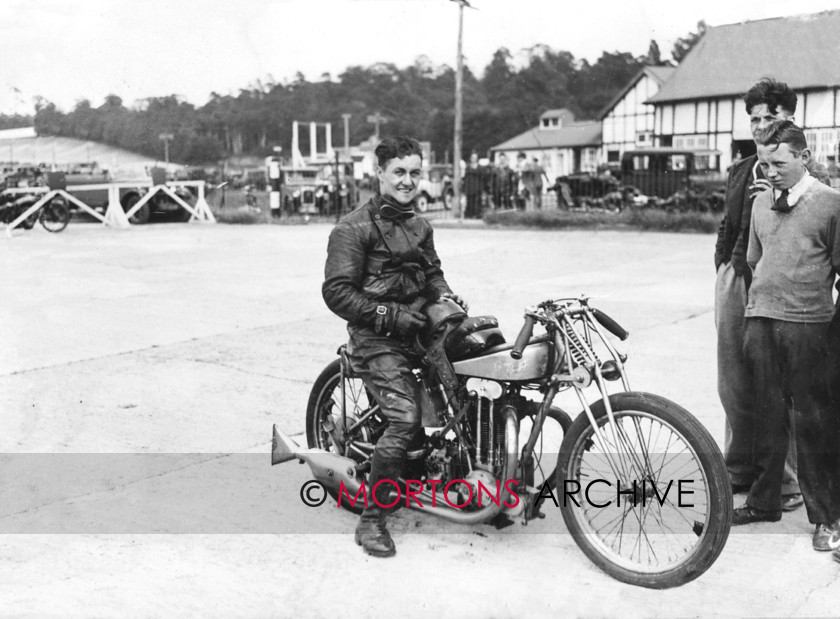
(381, 268)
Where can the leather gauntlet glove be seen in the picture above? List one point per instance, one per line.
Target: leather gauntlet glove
(397, 319)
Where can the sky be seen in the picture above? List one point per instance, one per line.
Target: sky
(68, 50)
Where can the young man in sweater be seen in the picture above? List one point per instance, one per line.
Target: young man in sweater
(767, 101)
(794, 254)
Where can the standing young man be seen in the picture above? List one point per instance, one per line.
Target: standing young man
(766, 101)
(382, 263)
(794, 253)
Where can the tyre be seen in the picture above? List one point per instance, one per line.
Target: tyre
(448, 199)
(652, 534)
(142, 214)
(423, 202)
(184, 216)
(29, 222)
(325, 427)
(55, 216)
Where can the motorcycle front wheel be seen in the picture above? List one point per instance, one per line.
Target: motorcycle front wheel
(647, 498)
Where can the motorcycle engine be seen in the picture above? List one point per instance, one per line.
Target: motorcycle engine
(485, 422)
(444, 463)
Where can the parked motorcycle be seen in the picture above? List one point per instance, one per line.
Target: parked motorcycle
(54, 215)
(641, 484)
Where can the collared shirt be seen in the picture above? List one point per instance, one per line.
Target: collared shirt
(795, 192)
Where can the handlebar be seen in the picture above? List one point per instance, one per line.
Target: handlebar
(610, 325)
(523, 337)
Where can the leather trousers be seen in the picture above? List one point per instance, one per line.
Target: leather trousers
(385, 365)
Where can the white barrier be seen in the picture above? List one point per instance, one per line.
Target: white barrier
(114, 216)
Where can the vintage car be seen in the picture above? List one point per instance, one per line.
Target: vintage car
(435, 187)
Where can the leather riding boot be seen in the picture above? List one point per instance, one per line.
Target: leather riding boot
(372, 535)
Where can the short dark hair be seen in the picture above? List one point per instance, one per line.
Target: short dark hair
(773, 93)
(782, 132)
(396, 148)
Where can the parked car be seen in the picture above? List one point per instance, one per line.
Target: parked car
(691, 178)
(435, 186)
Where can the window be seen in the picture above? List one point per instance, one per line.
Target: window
(677, 163)
(613, 156)
(644, 138)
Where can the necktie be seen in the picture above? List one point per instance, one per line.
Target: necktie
(781, 203)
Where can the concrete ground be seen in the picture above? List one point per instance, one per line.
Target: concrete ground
(141, 372)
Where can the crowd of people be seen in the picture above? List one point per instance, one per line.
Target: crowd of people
(777, 259)
(503, 186)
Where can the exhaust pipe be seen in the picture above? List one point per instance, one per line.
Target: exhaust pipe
(331, 469)
(283, 448)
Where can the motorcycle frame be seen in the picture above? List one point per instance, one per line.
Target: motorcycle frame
(562, 373)
(555, 317)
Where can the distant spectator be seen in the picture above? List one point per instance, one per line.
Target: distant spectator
(473, 185)
(537, 174)
(504, 184)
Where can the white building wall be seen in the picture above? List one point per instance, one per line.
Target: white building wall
(716, 123)
(818, 109)
(556, 161)
(630, 120)
(684, 118)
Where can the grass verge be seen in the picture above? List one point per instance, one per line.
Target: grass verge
(639, 219)
(239, 216)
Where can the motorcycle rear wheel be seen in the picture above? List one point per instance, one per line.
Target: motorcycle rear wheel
(656, 538)
(324, 424)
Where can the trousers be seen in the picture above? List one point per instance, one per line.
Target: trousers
(736, 387)
(385, 366)
(789, 363)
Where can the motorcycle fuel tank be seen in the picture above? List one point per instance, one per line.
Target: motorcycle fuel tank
(501, 366)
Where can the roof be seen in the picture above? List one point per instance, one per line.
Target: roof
(17, 134)
(584, 133)
(61, 151)
(564, 113)
(658, 74)
(800, 50)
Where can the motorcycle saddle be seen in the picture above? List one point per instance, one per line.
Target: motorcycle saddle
(473, 336)
(461, 335)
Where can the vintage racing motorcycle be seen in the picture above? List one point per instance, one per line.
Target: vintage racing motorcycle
(641, 484)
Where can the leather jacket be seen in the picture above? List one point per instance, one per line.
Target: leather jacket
(374, 260)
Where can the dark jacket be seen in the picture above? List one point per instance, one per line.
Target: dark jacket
(372, 260)
(732, 235)
(734, 231)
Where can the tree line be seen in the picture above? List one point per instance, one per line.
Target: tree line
(418, 100)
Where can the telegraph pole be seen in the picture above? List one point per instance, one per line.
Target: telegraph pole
(346, 118)
(459, 78)
(166, 137)
(377, 119)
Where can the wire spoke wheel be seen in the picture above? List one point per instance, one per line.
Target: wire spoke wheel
(352, 434)
(55, 216)
(647, 497)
